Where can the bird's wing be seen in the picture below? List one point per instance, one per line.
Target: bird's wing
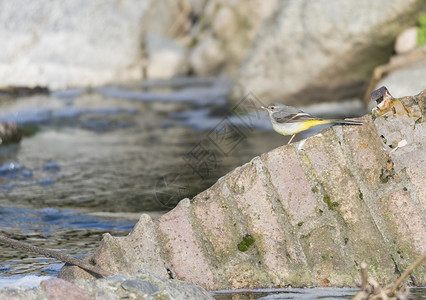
(294, 118)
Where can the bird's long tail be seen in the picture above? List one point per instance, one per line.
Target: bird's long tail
(347, 122)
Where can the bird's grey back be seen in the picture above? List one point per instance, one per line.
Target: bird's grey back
(284, 111)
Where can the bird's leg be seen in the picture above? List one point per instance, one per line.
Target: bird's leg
(291, 139)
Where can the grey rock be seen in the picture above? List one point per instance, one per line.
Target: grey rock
(315, 50)
(229, 28)
(166, 58)
(406, 40)
(60, 289)
(177, 289)
(405, 80)
(61, 44)
(22, 293)
(144, 285)
(104, 295)
(140, 249)
(207, 57)
(139, 286)
(225, 23)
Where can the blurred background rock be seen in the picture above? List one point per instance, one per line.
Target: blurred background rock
(297, 52)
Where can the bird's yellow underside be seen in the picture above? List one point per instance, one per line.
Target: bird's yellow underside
(293, 128)
(312, 123)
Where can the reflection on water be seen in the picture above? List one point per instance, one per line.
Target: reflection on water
(113, 150)
(66, 230)
(300, 293)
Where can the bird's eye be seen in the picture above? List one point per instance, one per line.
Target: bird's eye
(272, 107)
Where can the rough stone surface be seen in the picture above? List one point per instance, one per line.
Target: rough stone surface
(59, 289)
(143, 285)
(140, 249)
(300, 57)
(287, 175)
(305, 214)
(185, 253)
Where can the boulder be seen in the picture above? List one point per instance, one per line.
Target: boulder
(401, 74)
(225, 23)
(228, 28)
(207, 57)
(322, 50)
(165, 57)
(78, 43)
(405, 80)
(304, 214)
(406, 40)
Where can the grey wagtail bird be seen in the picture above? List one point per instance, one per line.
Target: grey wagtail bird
(288, 120)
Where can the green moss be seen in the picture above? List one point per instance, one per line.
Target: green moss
(331, 205)
(247, 241)
(300, 224)
(421, 35)
(384, 140)
(314, 189)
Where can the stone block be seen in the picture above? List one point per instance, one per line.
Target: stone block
(186, 256)
(291, 184)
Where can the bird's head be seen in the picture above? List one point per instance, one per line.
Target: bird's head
(274, 107)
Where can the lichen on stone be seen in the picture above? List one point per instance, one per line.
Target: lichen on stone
(330, 204)
(245, 244)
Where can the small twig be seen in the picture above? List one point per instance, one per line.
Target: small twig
(376, 286)
(54, 254)
(364, 276)
(407, 272)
